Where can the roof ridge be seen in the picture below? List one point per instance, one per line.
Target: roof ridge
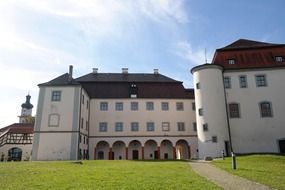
(246, 43)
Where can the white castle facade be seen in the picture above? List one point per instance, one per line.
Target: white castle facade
(236, 105)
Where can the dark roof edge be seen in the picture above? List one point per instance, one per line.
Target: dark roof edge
(206, 65)
(247, 48)
(45, 84)
(254, 68)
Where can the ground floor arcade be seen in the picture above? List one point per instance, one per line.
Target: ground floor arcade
(143, 148)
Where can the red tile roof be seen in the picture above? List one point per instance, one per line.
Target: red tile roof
(19, 128)
(250, 54)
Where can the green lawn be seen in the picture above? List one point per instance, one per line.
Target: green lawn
(101, 175)
(265, 169)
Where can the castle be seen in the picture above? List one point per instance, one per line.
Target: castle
(236, 106)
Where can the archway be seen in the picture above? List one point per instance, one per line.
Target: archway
(166, 150)
(134, 150)
(182, 149)
(150, 150)
(119, 148)
(102, 150)
(15, 154)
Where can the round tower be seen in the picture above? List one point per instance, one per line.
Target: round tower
(211, 114)
(26, 111)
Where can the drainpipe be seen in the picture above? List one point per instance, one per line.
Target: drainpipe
(229, 128)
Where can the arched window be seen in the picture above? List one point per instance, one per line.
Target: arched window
(234, 110)
(15, 154)
(265, 109)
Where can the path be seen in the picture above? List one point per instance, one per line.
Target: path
(223, 179)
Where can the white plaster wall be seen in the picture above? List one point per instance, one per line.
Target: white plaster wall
(55, 146)
(54, 143)
(64, 108)
(142, 116)
(84, 113)
(26, 150)
(251, 132)
(210, 97)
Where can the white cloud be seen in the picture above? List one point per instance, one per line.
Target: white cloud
(30, 55)
(185, 50)
(163, 10)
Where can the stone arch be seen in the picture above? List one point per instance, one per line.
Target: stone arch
(166, 150)
(102, 150)
(15, 154)
(119, 150)
(150, 149)
(135, 150)
(182, 149)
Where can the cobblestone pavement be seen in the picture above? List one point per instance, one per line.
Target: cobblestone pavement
(223, 179)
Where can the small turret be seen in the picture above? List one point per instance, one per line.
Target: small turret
(26, 112)
(27, 104)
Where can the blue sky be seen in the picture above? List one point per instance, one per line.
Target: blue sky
(40, 39)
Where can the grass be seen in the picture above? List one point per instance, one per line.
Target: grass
(265, 169)
(101, 175)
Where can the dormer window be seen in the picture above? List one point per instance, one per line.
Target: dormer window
(231, 61)
(279, 59)
(133, 91)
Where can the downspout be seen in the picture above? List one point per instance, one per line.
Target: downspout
(78, 147)
(227, 114)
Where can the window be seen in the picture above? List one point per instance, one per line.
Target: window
(194, 126)
(55, 96)
(227, 82)
(200, 111)
(103, 126)
(234, 110)
(279, 59)
(205, 127)
(197, 85)
(193, 106)
(149, 106)
(134, 106)
(243, 81)
(179, 106)
(87, 125)
(150, 126)
(134, 126)
(181, 126)
(214, 139)
(164, 106)
(231, 61)
(119, 106)
(133, 91)
(165, 126)
(260, 80)
(80, 138)
(104, 106)
(265, 109)
(81, 123)
(82, 98)
(118, 126)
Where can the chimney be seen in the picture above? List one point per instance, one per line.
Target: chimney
(155, 71)
(95, 70)
(70, 73)
(125, 70)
